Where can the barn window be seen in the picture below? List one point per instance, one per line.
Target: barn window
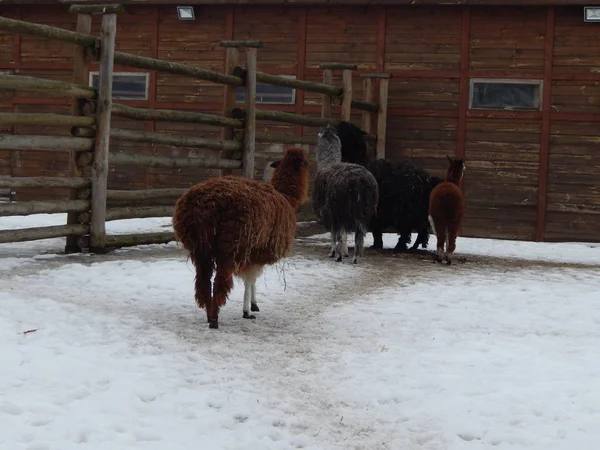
(505, 94)
(269, 95)
(126, 85)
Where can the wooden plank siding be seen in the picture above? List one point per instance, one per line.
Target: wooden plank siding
(573, 189)
(9, 45)
(530, 174)
(502, 153)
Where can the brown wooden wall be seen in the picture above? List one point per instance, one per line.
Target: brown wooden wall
(530, 174)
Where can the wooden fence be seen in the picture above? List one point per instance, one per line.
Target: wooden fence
(90, 125)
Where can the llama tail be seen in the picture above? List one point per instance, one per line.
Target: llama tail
(196, 229)
(449, 208)
(432, 223)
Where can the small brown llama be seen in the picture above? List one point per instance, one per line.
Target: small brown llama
(447, 209)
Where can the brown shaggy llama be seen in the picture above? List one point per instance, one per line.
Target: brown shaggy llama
(447, 209)
(234, 226)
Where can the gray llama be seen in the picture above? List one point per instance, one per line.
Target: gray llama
(345, 195)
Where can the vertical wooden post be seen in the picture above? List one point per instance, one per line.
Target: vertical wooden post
(463, 91)
(103, 113)
(545, 134)
(250, 119)
(381, 37)
(231, 61)
(382, 117)
(326, 106)
(15, 155)
(368, 97)
(80, 76)
(347, 96)
(301, 65)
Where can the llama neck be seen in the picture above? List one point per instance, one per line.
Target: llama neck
(327, 155)
(294, 190)
(457, 180)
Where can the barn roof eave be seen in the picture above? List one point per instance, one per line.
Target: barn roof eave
(314, 2)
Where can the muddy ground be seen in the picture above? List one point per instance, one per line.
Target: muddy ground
(385, 264)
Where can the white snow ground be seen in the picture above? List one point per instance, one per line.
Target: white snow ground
(472, 356)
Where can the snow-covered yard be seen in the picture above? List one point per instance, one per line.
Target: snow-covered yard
(395, 353)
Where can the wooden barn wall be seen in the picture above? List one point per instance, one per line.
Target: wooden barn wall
(502, 150)
(573, 193)
(530, 175)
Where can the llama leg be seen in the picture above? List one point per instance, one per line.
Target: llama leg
(202, 282)
(221, 287)
(451, 246)
(337, 238)
(248, 282)
(254, 305)
(345, 244)
(212, 313)
(250, 275)
(441, 240)
(377, 231)
(403, 241)
(418, 241)
(359, 243)
(441, 237)
(332, 252)
(253, 302)
(424, 238)
(440, 247)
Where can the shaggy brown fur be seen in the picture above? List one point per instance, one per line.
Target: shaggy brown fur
(235, 226)
(447, 209)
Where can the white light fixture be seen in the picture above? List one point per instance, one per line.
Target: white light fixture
(186, 13)
(591, 14)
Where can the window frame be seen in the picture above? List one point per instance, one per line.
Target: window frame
(539, 97)
(293, 101)
(146, 76)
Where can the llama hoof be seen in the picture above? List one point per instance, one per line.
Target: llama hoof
(355, 261)
(254, 307)
(249, 316)
(214, 324)
(338, 259)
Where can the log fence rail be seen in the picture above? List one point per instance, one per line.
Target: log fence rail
(90, 129)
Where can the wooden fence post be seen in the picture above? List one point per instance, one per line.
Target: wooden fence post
(382, 116)
(231, 62)
(346, 93)
(250, 119)
(368, 97)
(249, 116)
(347, 96)
(326, 105)
(103, 114)
(80, 76)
